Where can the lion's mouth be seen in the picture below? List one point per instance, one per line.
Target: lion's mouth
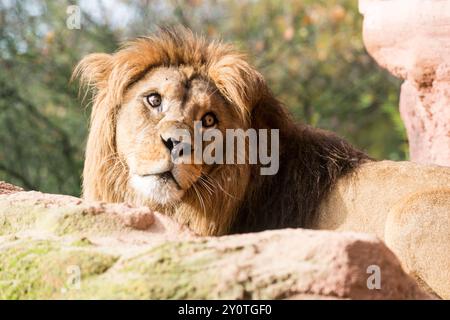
(167, 177)
(162, 188)
(164, 177)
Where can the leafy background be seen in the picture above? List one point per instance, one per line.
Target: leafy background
(310, 51)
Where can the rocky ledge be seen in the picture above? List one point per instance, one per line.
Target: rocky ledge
(62, 247)
(411, 39)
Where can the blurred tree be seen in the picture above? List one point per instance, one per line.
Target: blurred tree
(42, 126)
(310, 51)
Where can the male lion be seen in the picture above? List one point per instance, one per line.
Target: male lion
(155, 85)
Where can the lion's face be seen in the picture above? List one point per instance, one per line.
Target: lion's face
(164, 103)
(146, 97)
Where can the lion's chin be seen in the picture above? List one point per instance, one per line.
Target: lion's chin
(156, 189)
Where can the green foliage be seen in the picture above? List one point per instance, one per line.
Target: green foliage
(311, 53)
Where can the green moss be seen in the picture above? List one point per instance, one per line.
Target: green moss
(17, 217)
(44, 269)
(60, 220)
(82, 242)
(174, 270)
(78, 220)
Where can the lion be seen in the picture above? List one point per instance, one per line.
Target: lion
(153, 86)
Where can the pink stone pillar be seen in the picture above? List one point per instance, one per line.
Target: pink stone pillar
(411, 39)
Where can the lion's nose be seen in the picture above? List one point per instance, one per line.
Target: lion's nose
(176, 147)
(170, 143)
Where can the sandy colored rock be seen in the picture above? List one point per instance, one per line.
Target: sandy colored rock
(411, 39)
(61, 247)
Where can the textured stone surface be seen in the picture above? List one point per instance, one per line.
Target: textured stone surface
(6, 188)
(411, 39)
(54, 246)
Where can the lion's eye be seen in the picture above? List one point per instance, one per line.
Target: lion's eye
(154, 100)
(209, 120)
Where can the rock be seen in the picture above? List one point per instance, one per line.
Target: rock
(411, 39)
(6, 188)
(61, 247)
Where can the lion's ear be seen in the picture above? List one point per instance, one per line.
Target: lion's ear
(94, 70)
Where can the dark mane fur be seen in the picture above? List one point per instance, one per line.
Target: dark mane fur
(311, 161)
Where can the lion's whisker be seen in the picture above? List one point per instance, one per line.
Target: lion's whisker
(200, 198)
(220, 186)
(203, 183)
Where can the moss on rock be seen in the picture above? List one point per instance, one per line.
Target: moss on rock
(173, 270)
(69, 219)
(61, 247)
(44, 269)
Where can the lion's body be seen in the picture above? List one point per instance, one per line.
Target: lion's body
(405, 204)
(322, 182)
(362, 201)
